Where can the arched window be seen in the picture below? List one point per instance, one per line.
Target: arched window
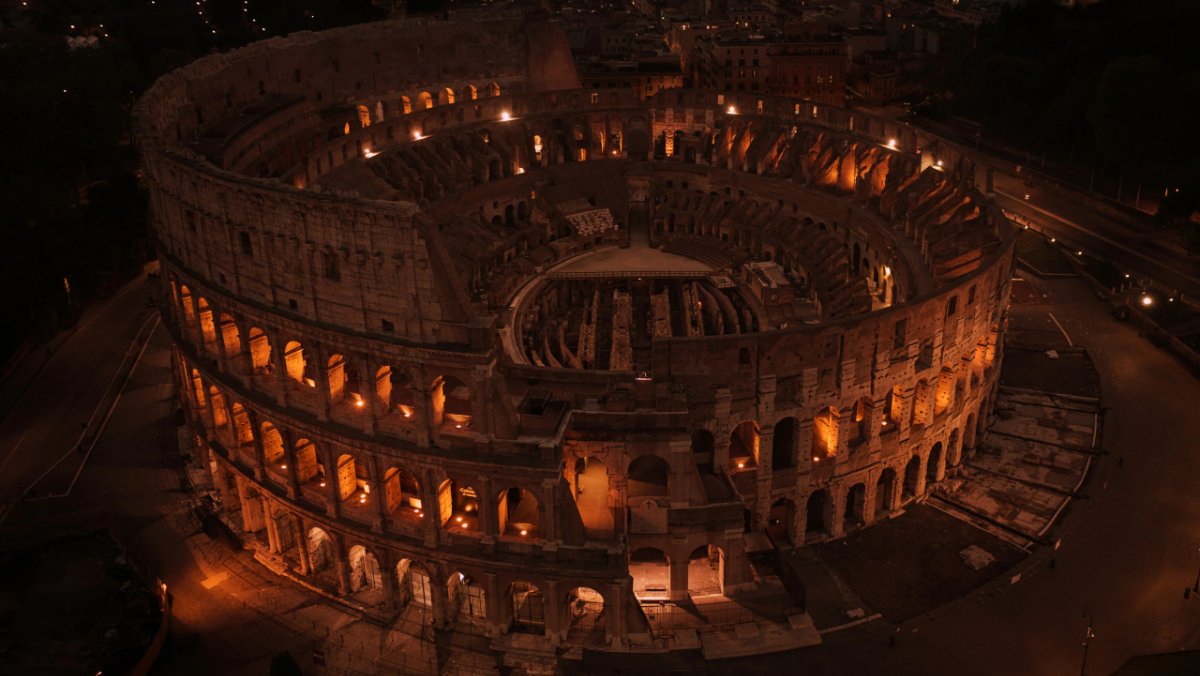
(648, 476)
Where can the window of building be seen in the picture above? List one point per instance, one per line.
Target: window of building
(329, 265)
(244, 240)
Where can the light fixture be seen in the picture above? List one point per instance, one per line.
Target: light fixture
(731, 110)
(1147, 300)
(741, 465)
(505, 116)
(524, 532)
(458, 519)
(891, 143)
(417, 136)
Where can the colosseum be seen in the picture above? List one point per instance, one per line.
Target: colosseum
(469, 347)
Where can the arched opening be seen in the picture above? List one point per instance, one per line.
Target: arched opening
(470, 93)
(528, 608)
(945, 391)
(347, 477)
(467, 598)
(401, 490)
(651, 572)
(969, 435)
(893, 411)
(702, 450)
(743, 445)
(884, 491)
(780, 520)
(954, 450)
(706, 571)
(933, 466)
(825, 434)
(230, 338)
(296, 364)
(364, 570)
(493, 89)
(446, 97)
(648, 476)
(862, 421)
(783, 445)
(260, 352)
(854, 514)
(816, 521)
(364, 115)
(244, 431)
(585, 613)
(219, 414)
(424, 101)
(405, 105)
(413, 584)
(379, 111)
(272, 443)
(591, 496)
(308, 469)
(912, 477)
(189, 312)
(336, 374)
(458, 506)
(451, 400)
(320, 549)
(208, 329)
(518, 513)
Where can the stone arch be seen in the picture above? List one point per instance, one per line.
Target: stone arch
(969, 434)
(493, 89)
(817, 512)
(451, 400)
(953, 449)
(591, 495)
(401, 489)
(528, 608)
(855, 511)
(912, 478)
(336, 375)
(405, 105)
(934, 470)
(585, 612)
(364, 570)
(743, 444)
(296, 363)
(780, 520)
(458, 506)
(272, 443)
(470, 93)
(308, 467)
(945, 391)
(424, 101)
(649, 476)
(885, 489)
(189, 311)
(260, 351)
(706, 570)
(445, 97)
(219, 414)
(467, 597)
(862, 420)
(231, 338)
(783, 445)
(825, 434)
(208, 329)
(320, 549)
(519, 513)
(414, 584)
(650, 569)
(347, 476)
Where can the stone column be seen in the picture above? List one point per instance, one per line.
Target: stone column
(272, 529)
(766, 453)
(869, 497)
(548, 504)
(837, 504)
(553, 609)
(679, 578)
(333, 500)
(306, 567)
(279, 367)
(252, 517)
(489, 520)
(367, 392)
(321, 373)
(495, 615)
(260, 456)
(340, 563)
(378, 495)
(440, 599)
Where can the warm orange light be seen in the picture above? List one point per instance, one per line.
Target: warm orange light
(359, 403)
(741, 465)
(505, 116)
(417, 136)
(322, 484)
(464, 525)
(891, 143)
(524, 532)
(458, 519)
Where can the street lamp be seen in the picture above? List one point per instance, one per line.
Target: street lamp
(1147, 301)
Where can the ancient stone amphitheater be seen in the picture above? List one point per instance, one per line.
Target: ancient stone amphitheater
(471, 348)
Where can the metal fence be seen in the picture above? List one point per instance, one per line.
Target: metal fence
(667, 616)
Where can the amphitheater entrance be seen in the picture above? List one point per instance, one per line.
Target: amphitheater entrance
(779, 521)
(591, 496)
(816, 522)
(884, 489)
(651, 572)
(933, 468)
(706, 571)
(519, 513)
(468, 599)
(528, 608)
(856, 501)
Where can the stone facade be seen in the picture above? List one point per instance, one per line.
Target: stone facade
(347, 222)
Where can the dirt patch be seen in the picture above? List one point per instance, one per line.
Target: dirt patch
(909, 565)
